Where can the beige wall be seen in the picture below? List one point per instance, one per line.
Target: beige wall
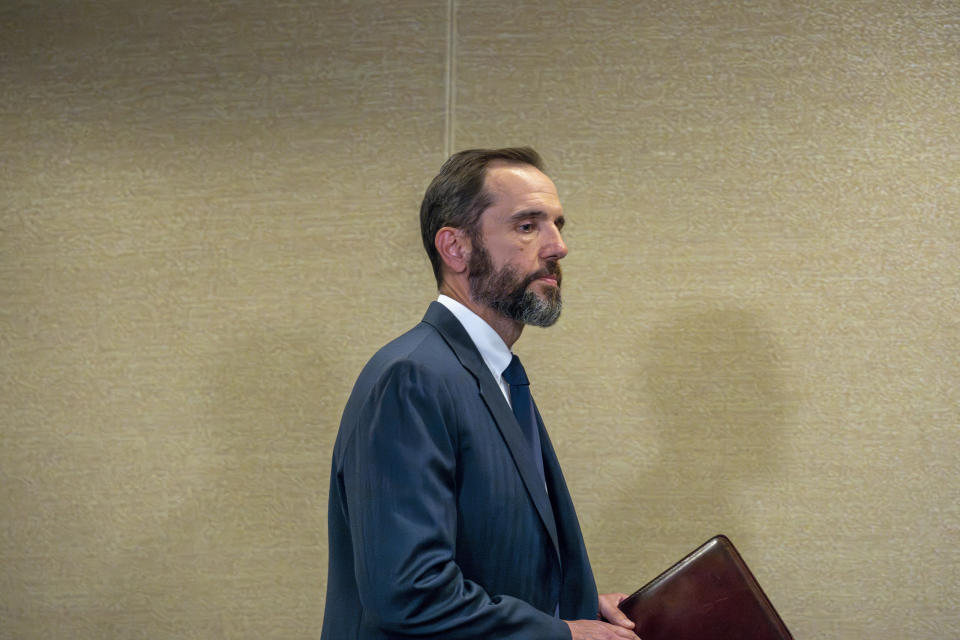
(208, 223)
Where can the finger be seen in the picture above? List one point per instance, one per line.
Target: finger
(618, 618)
(612, 599)
(626, 634)
(611, 613)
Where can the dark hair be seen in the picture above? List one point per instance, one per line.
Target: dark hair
(456, 197)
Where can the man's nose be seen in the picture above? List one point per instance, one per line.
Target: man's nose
(554, 247)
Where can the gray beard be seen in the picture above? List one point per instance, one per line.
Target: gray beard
(504, 292)
(537, 311)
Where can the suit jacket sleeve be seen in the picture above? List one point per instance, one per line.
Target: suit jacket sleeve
(398, 480)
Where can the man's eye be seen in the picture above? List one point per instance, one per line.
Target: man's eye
(526, 227)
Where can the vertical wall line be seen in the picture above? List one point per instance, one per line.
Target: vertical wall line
(451, 79)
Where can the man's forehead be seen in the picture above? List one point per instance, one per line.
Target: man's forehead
(506, 169)
(513, 180)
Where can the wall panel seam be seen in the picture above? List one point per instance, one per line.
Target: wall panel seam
(451, 78)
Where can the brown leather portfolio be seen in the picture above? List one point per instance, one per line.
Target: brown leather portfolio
(709, 595)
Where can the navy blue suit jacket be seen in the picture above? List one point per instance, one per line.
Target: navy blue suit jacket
(439, 525)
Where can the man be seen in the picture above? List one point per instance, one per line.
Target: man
(448, 515)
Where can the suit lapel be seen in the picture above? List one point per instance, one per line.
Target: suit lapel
(459, 341)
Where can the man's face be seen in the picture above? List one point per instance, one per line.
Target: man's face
(514, 263)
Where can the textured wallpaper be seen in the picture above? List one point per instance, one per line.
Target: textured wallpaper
(208, 222)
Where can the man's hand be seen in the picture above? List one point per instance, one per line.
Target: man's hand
(610, 612)
(617, 625)
(597, 630)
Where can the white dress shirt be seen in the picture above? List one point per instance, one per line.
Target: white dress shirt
(494, 351)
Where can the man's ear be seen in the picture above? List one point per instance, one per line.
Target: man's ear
(453, 245)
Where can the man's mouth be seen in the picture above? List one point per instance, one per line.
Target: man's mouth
(550, 275)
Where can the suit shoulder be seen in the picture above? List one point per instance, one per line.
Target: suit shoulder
(417, 369)
(420, 357)
(421, 348)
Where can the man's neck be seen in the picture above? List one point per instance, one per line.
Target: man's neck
(507, 328)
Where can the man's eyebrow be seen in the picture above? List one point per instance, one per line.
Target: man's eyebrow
(526, 214)
(536, 214)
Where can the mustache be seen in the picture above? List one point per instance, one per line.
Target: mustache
(551, 268)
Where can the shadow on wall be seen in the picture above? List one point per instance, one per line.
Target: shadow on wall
(713, 387)
(237, 540)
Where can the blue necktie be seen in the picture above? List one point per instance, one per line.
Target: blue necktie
(523, 409)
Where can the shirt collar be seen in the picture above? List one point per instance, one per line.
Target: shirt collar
(494, 351)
